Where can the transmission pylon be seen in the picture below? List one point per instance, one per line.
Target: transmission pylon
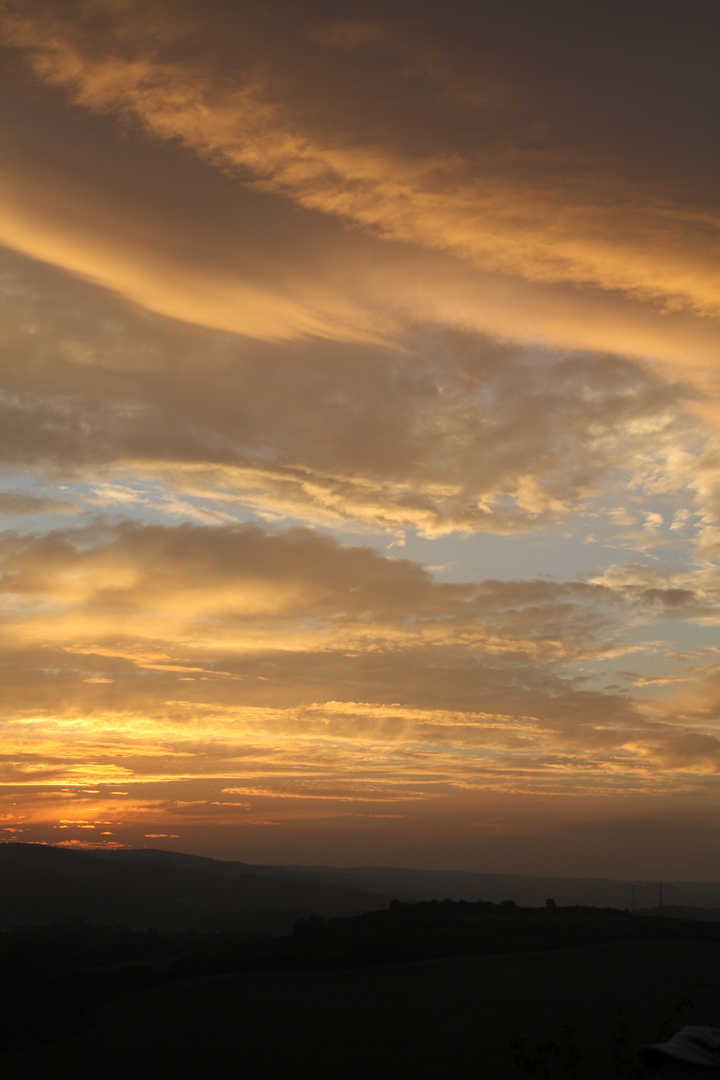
(660, 885)
(633, 885)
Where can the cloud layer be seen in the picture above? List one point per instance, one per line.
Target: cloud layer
(290, 292)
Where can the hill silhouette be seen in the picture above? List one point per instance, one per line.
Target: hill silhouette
(525, 889)
(152, 887)
(412, 884)
(412, 989)
(41, 884)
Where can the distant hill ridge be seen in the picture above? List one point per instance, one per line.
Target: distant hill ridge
(152, 887)
(525, 889)
(41, 884)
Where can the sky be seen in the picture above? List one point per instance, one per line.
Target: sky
(359, 428)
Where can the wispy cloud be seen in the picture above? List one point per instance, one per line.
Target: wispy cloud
(519, 215)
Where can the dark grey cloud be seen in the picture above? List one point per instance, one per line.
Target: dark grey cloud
(16, 503)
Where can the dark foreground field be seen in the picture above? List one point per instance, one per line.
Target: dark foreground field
(434, 1019)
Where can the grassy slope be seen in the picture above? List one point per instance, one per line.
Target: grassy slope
(426, 1020)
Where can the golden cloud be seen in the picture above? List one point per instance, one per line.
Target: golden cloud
(602, 230)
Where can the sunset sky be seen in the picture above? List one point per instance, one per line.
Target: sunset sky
(360, 428)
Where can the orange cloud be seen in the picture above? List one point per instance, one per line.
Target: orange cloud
(517, 216)
(173, 680)
(452, 432)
